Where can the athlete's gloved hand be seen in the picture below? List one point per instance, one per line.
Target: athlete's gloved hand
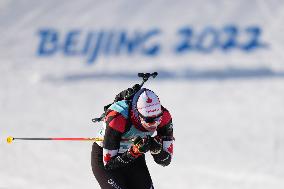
(140, 146)
(156, 145)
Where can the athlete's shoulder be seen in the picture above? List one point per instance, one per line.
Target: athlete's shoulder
(166, 117)
(121, 107)
(117, 116)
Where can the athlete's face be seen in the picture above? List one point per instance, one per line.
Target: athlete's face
(150, 123)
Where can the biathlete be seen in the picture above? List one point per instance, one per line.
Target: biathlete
(130, 129)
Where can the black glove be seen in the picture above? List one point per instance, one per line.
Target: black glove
(140, 146)
(156, 145)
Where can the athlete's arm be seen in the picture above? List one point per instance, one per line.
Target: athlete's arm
(115, 126)
(165, 133)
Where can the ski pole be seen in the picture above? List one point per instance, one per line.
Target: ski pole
(11, 139)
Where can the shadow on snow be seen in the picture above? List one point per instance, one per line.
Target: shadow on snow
(188, 74)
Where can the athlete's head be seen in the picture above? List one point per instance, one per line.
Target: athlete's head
(149, 109)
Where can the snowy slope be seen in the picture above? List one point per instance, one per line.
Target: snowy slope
(227, 107)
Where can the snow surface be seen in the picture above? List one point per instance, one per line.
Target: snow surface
(228, 120)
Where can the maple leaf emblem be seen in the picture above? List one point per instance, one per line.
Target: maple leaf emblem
(107, 157)
(171, 148)
(149, 100)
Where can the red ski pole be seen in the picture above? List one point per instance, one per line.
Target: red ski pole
(11, 139)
